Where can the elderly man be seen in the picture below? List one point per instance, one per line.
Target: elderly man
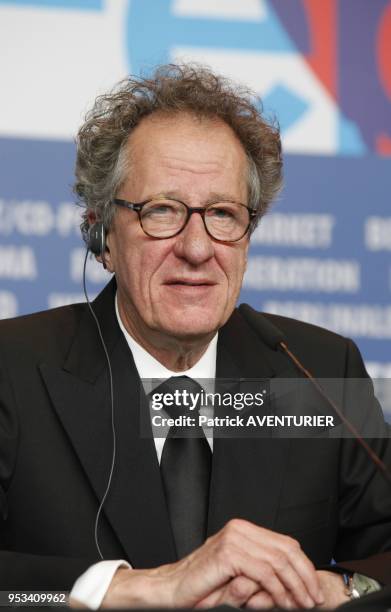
(174, 172)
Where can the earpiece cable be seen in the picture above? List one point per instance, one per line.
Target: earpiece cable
(114, 437)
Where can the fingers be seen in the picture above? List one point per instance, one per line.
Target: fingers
(262, 600)
(263, 573)
(233, 562)
(235, 593)
(216, 564)
(290, 564)
(295, 586)
(287, 570)
(244, 564)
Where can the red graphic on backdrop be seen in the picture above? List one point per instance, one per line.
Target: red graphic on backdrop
(322, 22)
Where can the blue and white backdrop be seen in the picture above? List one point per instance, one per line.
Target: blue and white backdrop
(323, 68)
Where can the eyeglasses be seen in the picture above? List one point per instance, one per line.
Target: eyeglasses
(165, 218)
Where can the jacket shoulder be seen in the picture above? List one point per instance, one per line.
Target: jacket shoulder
(322, 351)
(41, 333)
(295, 330)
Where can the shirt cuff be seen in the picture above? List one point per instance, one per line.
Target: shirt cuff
(91, 587)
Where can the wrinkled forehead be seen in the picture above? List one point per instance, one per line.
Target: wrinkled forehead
(191, 149)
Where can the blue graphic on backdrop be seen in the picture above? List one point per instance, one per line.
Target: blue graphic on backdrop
(85, 5)
(153, 30)
(359, 64)
(350, 138)
(293, 105)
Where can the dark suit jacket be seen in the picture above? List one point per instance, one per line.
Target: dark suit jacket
(56, 449)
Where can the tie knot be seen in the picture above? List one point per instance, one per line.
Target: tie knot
(180, 395)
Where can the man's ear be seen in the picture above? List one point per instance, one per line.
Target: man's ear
(106, 257)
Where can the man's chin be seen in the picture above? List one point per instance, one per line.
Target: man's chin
(196, 326)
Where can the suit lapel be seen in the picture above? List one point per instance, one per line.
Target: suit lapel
(247, 474)
(80, 392)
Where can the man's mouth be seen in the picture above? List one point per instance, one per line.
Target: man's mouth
(190, 283)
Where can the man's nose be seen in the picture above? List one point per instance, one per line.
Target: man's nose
(194, 243)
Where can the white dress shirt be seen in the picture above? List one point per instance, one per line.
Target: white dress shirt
(91, 587)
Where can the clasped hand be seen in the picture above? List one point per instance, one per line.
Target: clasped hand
(242, 565)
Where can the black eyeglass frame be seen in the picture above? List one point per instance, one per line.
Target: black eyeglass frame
(138, 206)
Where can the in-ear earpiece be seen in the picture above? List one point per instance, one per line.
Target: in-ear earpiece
(97, 239)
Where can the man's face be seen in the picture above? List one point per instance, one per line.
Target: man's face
(186, 286)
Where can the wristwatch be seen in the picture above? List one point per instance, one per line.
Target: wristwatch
(358, 585)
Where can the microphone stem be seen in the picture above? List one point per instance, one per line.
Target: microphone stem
(372, 455)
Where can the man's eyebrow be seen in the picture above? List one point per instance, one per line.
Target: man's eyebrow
(213, 197)
(223, 197)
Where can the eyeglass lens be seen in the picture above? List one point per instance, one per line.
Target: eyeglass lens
(224, 220)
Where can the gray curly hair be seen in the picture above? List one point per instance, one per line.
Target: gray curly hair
(102, 156)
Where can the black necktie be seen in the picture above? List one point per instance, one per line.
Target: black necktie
(185, 468)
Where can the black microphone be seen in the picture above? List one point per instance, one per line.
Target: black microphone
(275, 339)
(269, 333)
